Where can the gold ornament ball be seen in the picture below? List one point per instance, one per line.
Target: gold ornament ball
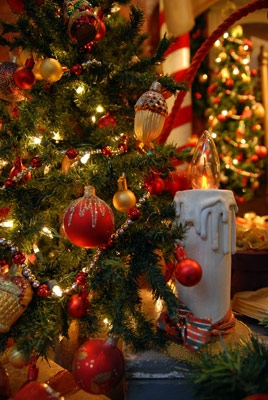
(222, 55)
(258, 110)
(123, 200)
(51, 70)
(255, 185)
(236, 31)
(246, 78)
(16, 357)
(36, 70)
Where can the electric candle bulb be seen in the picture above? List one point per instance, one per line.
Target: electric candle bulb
(205, 165)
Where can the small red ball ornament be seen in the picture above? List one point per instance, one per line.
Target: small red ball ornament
(257, 396)
(24, 77)
(188, 272)
(261, 151)
(78, 305)
(44, 291)
(176, 181)
(134, 214)
(155, 184)
(17, 171)
(107, 120)
(88, 221)
(98, 366)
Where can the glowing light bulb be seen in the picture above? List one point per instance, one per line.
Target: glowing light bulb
(80, 90)
(36, 140)
(99, 109)
(57, 291)
(7, 224)
(47, 232)
(205, 165)
(85, 158)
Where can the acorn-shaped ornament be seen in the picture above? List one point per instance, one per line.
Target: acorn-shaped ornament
(15, 295)
(150, 113)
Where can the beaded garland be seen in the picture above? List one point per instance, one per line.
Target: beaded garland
(19, 258)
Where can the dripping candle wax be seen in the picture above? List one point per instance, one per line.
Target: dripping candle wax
(210, 239)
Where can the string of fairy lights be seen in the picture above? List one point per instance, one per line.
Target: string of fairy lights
(18, 257)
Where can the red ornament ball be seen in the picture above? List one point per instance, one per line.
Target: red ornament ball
(77, 305)
(134, 214)
(17, 170)
(155, 184)
(98, 366)
(257, 396)
(188, 272)
(36, 390)
(88, 221)
(36, 162)
(261, 151)
(107, 120)
(18, 258)
(177, 181)
(24, 78)
(44, 291)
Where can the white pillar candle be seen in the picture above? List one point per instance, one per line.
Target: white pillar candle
(211, 241)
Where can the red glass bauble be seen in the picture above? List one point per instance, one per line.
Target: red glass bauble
(257, 396)
(261, 151)
(77, 305)
(44, 291)
(107, 120)
(98, 366)
(18, 5)
(24, 78)
(17, 170)
(33, 390)
(176, 181)
(188, 272)
(88, 221)
(155, 184)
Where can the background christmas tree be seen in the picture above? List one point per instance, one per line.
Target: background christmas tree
(67, 111)
(235, 116)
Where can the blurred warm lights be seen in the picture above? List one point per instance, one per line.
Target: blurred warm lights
(99, 109)
(7, 224)
(47, 232)
(235, 71)
(80, 90)
(84, 159)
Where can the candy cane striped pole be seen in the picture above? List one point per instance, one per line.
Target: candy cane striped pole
(176, 62)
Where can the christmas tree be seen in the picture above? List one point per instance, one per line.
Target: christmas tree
(235, 116)
(87, 213)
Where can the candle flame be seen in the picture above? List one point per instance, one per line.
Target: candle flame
(204, 184)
